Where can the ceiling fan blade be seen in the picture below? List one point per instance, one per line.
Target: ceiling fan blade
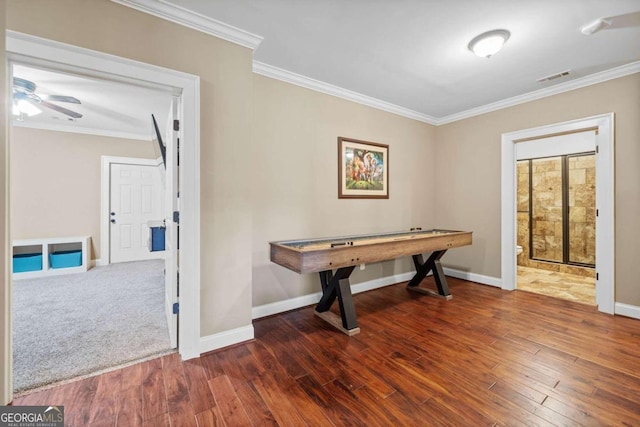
(61, 109)
(24, 84)
(61, 98)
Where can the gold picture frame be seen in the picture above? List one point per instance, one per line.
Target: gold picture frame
(363, 169)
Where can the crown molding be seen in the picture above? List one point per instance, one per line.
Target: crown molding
(329, 89)
(179, 15)
(603, 76)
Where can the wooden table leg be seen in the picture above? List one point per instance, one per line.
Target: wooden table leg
(423, 268)
(337, 286)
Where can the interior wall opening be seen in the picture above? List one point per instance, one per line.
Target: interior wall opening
(95, 316)
(556, 222)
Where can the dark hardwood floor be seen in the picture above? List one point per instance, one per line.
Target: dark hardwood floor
(487, 357)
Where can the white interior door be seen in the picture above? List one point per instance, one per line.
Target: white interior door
(135, 199)
(171, 216)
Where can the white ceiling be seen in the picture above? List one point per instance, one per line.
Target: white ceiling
(413, 53)
(408, 55)
(108, 107)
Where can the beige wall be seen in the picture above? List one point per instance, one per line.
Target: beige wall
(468, 170)
(295, 180)
(225, 100)
(56, 179)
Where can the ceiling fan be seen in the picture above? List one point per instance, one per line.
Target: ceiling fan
(27, 101)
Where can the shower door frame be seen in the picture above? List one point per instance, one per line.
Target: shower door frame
(566, 232)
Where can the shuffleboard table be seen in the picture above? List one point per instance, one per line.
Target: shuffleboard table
(343, 254)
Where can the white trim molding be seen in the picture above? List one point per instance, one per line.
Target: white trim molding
(628, 310)
(195, 21)
(605, 201)
(310, 299)
(329, 89)
(226, 338)
(473, 277)
(603, 76)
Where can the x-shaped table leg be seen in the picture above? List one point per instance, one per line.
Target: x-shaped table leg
(337, 286)
(423, 268)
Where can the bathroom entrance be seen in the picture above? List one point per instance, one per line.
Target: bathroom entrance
(556, 216)
(557, 226)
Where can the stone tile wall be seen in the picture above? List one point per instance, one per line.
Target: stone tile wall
(546, 199)
(582, 209)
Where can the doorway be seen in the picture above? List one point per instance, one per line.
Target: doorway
(556, 226)
(40, 52)
(135, 201)
(55, 194)
(515, 144)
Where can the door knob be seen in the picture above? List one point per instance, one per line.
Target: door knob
(113, 221)
(113, 213)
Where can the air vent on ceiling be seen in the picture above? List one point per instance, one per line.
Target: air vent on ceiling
(553, 76)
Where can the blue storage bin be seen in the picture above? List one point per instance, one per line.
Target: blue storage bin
(65, 259)
(27, 262)
(157, 238)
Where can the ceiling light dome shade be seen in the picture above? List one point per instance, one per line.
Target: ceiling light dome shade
(489, 43)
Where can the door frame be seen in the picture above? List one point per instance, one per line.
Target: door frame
(105, 202)
(605, 202)
(36, 51)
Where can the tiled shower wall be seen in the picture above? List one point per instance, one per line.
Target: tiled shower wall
(547, 213)
(582, 209)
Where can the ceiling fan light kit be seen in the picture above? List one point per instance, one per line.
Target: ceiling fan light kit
(27, 103)
(489, 43)
(22, 108)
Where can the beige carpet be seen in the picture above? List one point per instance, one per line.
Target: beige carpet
(73, 325)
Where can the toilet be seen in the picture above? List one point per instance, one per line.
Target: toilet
(518, 250)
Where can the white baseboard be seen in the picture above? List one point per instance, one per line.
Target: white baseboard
(627, 310)
(284, 305)
(473, 277)
(226, 338)
(305, 300)
(95, 263)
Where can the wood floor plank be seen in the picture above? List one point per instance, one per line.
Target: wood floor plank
(181, 412)
(198, 386)
(161, 420)
(104, 403)
(342, 416)
(154, 396)
(211, 365)
(255, 408)
(276, 399)
(227, 400)
(487, 357)
(129, 407)
(210, 418)
(132, 376)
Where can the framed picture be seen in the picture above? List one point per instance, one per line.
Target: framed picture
(363, 169)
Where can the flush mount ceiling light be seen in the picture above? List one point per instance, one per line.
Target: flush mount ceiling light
(489, 43)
